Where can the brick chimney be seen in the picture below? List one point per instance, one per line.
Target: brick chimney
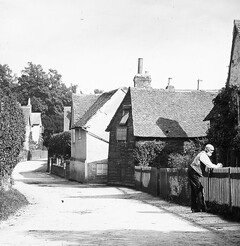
(142, 80)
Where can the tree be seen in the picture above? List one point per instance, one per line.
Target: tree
(223, 132)
(12, 125)
(98, 91)
(145, 153)
(48, 95)
(60, 145)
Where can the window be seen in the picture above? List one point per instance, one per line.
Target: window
(124, 119)
(102, 169)
(121, 134)
(73, 135)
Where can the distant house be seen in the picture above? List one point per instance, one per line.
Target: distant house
(149, 114)
(67, 119)
(34, 127)
(234, 66)
(89, 147)
(27, 118)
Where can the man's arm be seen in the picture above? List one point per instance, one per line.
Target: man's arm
(206, 161)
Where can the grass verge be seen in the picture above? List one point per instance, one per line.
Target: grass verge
(10, 202)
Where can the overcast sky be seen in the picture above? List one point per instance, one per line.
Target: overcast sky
(97, 43)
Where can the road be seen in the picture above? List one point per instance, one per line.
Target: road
(62, 212)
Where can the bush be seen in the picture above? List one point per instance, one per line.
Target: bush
(190, 150)
(10, 202)
(145, 153)
(12, 126)
(60, 145)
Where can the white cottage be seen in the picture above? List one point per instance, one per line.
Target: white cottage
(89, 147)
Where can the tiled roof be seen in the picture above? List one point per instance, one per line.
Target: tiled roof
(158, 113)
(35, 118)
(26, 112)
(213, 114)
(102, 99)
(81, 103)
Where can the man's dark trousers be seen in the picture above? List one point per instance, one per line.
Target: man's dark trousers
(197, 196)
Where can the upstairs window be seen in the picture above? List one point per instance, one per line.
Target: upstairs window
(124, 119)
(121, 134)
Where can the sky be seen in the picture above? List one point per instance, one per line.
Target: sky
(95, 44)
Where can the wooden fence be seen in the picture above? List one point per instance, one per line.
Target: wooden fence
(59, 167)
(220, 185)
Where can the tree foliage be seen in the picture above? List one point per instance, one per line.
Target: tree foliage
(98, 91)
(48, 95)
(47, 92)
(223, 129)
(190, 150)
(60, 145)
(12, 125)
(146, 152)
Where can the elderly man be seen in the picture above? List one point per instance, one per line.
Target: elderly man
(195, 171)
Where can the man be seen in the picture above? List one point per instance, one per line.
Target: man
(195, 171)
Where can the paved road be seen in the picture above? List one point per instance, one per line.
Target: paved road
(69, 213)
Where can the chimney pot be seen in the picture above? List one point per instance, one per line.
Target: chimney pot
(142, 80)
(140, 65)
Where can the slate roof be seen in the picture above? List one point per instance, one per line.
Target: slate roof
(159, 113)
(102, 99)
(81, 103)
(213, 114)
(26, 112)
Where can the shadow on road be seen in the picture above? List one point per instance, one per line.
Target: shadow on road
(128, 237)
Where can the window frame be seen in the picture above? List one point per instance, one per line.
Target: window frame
(101, 169)
(119, 133)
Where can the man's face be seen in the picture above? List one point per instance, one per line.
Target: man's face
(209, 152)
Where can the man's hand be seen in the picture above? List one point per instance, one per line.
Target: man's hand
(220, 165)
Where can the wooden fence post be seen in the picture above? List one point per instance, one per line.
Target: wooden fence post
(208, 182)
(230, 189)
(158, 182)
(141, 178)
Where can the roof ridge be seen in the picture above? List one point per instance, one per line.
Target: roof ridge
(101, 100)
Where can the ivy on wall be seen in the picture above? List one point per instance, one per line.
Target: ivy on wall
(223, 127)
(224, 130)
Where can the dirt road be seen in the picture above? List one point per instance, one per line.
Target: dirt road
(69, 213)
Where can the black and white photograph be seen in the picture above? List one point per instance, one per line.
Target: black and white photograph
(119, 122)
